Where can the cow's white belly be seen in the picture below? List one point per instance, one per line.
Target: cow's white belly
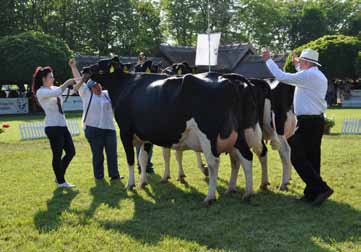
(190, 138)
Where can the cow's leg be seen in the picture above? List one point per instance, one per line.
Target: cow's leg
(246, 160)
(166, 157)
(143, 160)
(179, 158)
(235, 164)
(254, 138)
(127, 140)
(213, 164)
(201, 166)
(268, 120)
(285, 155)
(263, 160)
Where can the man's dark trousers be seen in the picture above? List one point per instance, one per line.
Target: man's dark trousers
(306, 153)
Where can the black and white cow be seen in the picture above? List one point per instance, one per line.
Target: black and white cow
(285, 124)
(278, 122)
(213, 114)
(180, 69)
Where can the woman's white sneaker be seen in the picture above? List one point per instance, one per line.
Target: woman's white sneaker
(66, 185)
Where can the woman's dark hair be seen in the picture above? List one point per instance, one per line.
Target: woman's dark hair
(39, 74)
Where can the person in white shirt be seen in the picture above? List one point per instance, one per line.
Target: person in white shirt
(98, 125)
(50, 99)
(309, 106)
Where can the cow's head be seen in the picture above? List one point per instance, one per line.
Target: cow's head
(105, 70)
(180, 69)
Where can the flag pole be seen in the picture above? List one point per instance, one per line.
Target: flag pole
(209, 38)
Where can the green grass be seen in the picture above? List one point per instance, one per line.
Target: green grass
(35, 216)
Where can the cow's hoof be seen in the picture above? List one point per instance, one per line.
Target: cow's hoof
(264, 186)
(276, 145)
(247, 197)
(181, 179)
(231, 191)
(130, 187)
(208, 201)
(284, 187)
(258, 150)
(142, 185)
(165, 180)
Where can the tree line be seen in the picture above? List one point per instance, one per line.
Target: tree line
(130, 26)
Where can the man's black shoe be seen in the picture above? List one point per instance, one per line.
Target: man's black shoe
(320, 198)
(305, 199)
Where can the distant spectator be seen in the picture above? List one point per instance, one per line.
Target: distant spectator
(13, 94)
(2, 94)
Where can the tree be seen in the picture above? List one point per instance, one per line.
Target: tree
(305, 26)
(353, 27)
(338, 54)
(358, 64)
(21, 54)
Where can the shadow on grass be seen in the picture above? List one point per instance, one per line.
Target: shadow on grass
(46, 221)
(106, 193)
(271, 222)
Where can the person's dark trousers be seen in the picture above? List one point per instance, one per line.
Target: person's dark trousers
(150, 154)
(306, 154)
(60, 140)
(100, 140)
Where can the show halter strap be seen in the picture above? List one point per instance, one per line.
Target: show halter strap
(87, 109)
(59, 105)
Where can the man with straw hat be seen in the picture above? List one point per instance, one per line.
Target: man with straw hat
(309, 106)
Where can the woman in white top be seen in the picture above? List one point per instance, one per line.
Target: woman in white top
(50, 99)
(99, 126)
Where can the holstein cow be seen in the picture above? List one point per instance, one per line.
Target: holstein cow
(179, 69)
(175, 69)
(285, 125)
(262, 94)
(274, 107)
(212, 115)
(277, 101)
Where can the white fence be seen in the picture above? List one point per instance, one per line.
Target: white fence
(36, 130)
(351, 126)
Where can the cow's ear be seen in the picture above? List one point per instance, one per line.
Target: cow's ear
(179, 72)
(111, 68)
(126, 69)
(115, 67)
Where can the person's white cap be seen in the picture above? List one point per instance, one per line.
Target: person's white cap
(310, 55)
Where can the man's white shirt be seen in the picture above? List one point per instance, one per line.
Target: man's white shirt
(311, 88)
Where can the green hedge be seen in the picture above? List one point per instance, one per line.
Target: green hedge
(21, 54)
(338, 55)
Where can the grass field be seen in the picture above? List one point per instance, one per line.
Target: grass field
(36, 216)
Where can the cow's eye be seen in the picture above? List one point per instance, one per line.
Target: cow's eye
(100, 72)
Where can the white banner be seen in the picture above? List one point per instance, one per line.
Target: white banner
(74, 103)
(207, 49)
(10, 106)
